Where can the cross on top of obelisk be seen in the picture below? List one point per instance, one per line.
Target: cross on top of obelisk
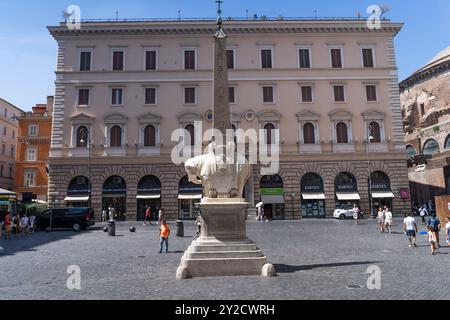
(219, 13)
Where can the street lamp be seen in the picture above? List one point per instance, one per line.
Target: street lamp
(85, 139)
(369, 139)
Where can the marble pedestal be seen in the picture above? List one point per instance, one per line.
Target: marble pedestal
(223, 248)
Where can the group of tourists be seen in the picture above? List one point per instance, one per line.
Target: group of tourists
(16, 225)
(385, 219)
(432, 234)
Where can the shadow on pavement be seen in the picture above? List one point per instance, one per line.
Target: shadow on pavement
(34, 240)
(283, 268)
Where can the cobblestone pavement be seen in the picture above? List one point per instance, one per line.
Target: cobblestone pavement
(315, 259)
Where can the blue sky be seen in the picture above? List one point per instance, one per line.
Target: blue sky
(28, 52)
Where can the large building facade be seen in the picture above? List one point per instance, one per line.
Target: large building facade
(425, 101)
(8, 138)
(122, 88)
(33, 149)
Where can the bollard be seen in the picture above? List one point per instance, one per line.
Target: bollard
(180, 229)
(112, 228)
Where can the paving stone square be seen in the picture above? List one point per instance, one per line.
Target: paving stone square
(315, 259)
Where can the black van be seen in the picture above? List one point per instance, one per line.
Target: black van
(66, 218)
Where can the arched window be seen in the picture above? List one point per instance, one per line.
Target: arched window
(116, 137)
(78, 185)
(149, 136)
(82, 137)
(345, 182)
(190, 128)
(411, 151)
(270, 128)
(375, 132)
(309, 134)
(311, 182)
(447, 142)
(341, 133)
(430, 147)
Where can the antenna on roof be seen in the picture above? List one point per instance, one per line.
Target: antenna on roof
(246, 14)
(179, 14)
(384, 9)
(117, 15)
(315, 13)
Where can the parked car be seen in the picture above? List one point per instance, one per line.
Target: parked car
(346, 213)
(66, 218)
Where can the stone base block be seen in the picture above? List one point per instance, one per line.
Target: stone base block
(213, 258)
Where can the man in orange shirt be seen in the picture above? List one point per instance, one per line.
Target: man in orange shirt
(164, 236)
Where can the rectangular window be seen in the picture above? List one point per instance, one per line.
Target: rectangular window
(189, 95)
(268, 95)
(230, 59)
(32, 130)
(118, 60)
(307, 94)
(30, 178)
(368, 58)
(1, 171)
(336, 58)
(12, 152)
(189, 59)
(371, 93)
(117, 96)
(3, 149)
(4, 131)
(422, 109)
(339, 94)
(14, 134)
(304, 59)
(150, 60)
(85, 61)
(232, 94)
(83, 97)
(150, 95)
(31, 154)
(266, 58)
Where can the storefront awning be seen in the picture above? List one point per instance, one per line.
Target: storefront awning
(275, 199)
(313, 196)
(348, 196)
(148, 196)
(382, 194)
(76, 199)
(190, 196)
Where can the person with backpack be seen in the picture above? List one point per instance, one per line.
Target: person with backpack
(423, 212)
(148, 216)
(16, 225)
(434, 226)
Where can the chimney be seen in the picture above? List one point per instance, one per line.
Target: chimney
(50, 102)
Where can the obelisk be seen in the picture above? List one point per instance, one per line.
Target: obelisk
(222, 116)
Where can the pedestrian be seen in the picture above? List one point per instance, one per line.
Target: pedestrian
(423, 212)
(260, 213)
(2, 222)
(198, 223)
(112, 213)
(356, 212)
(388, 220)
(16, 225)
(430, 206)
(380, 218)
(148, 216)
(161, 216)
(432, 240)
(164, 236)
(7, 226)
(104, 215)
(32, 223)
(410, 227)
(447, 231)
(24, 222)
(435, 226)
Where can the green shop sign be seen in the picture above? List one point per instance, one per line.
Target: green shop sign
(272, 191)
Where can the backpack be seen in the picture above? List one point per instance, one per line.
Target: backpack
(434, 223)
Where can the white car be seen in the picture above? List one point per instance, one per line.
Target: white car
(346, 213)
